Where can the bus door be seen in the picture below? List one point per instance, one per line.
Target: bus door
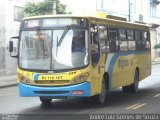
(95, 56)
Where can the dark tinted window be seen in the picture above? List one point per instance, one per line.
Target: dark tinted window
(113, 39)
(130, 34)
(131, 40)
(123, 43)
(103, 36)
(94, 44)
(145, 40)
(137, 39)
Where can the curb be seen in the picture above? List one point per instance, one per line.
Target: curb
(155, 63)
(9, 85)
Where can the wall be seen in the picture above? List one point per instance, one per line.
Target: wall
(12, 29)
(8, 28)
(2, 37)
(143, 7)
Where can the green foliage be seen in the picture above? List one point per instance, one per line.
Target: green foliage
(157, 46)
(61, 8)
(44, 8)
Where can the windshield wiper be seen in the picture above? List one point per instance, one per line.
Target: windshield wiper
(63, 35)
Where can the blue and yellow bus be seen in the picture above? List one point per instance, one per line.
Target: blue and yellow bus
(80, 56)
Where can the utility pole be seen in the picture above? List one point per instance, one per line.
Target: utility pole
(54, 7)
(129, 10)
(96, 5)
(102, 2)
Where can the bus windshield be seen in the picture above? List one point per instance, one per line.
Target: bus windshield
(57, 49)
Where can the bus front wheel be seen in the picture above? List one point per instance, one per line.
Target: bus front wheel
(45, 100)
(102, 96)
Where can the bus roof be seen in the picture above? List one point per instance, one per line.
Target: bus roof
(97, 15)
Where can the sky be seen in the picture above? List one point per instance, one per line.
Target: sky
(76, 6)
(80, 6)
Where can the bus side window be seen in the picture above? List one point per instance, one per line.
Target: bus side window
(137, 39)
(103, 39)
(113, 39)
(131, 40)
(123, 40)
(145, 40)
(94, 45)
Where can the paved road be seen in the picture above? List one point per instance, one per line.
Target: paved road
(146, 100)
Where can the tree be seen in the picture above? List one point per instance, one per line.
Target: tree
(157, 46)
(44, 8)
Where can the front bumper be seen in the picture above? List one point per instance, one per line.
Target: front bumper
(63, 91)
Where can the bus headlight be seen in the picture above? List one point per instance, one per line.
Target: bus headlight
(80, 78)
(24, 79)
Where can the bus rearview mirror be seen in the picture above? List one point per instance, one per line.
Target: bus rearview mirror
(10, 46)
(13, 46)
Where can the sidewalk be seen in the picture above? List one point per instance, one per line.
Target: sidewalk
(8, 81)
(156, 61)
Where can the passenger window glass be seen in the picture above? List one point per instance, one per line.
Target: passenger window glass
(132, 45)
(130, 34)
(122, 34)
(131, 40)
(145, 40)
(123, 43)
(113, 39)
(137, 39)
(103, 39)
(94, 45)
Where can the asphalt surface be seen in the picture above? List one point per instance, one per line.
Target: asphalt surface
(145, 101)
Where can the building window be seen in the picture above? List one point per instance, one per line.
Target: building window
(18, 13)
(153, 10)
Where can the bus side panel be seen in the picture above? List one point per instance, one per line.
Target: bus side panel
(145, 66)
(121, 67)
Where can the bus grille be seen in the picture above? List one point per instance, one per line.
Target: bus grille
(51, 92)
(52, 82)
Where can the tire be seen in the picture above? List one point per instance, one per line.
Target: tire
(45, 100)
(102, 96)
(126, 89)
(133, 88)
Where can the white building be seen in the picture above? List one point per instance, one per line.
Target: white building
(148, 11)
(144, 11)
(11, 13)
